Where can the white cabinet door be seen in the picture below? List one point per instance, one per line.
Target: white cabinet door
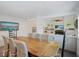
(70, 44)
(59, 39)
(78, 47)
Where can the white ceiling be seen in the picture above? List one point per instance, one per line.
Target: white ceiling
(24, 9)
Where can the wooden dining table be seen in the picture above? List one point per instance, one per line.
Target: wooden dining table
(40, 48)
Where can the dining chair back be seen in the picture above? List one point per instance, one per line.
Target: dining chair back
(22, 50)
(12, 47)
(6, 46)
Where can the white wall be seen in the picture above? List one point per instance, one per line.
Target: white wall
(78, 39)
(29, 24)
(40, 23)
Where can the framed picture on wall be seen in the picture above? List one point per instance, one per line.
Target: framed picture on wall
(5, 26)
(59, 27)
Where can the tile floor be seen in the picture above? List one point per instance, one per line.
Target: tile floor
(67, 54)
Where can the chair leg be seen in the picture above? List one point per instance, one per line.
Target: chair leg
(15, 52)
(8, 51)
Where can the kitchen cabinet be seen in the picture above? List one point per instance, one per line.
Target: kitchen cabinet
(70, 44)
(59, 39)
(77, 47)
